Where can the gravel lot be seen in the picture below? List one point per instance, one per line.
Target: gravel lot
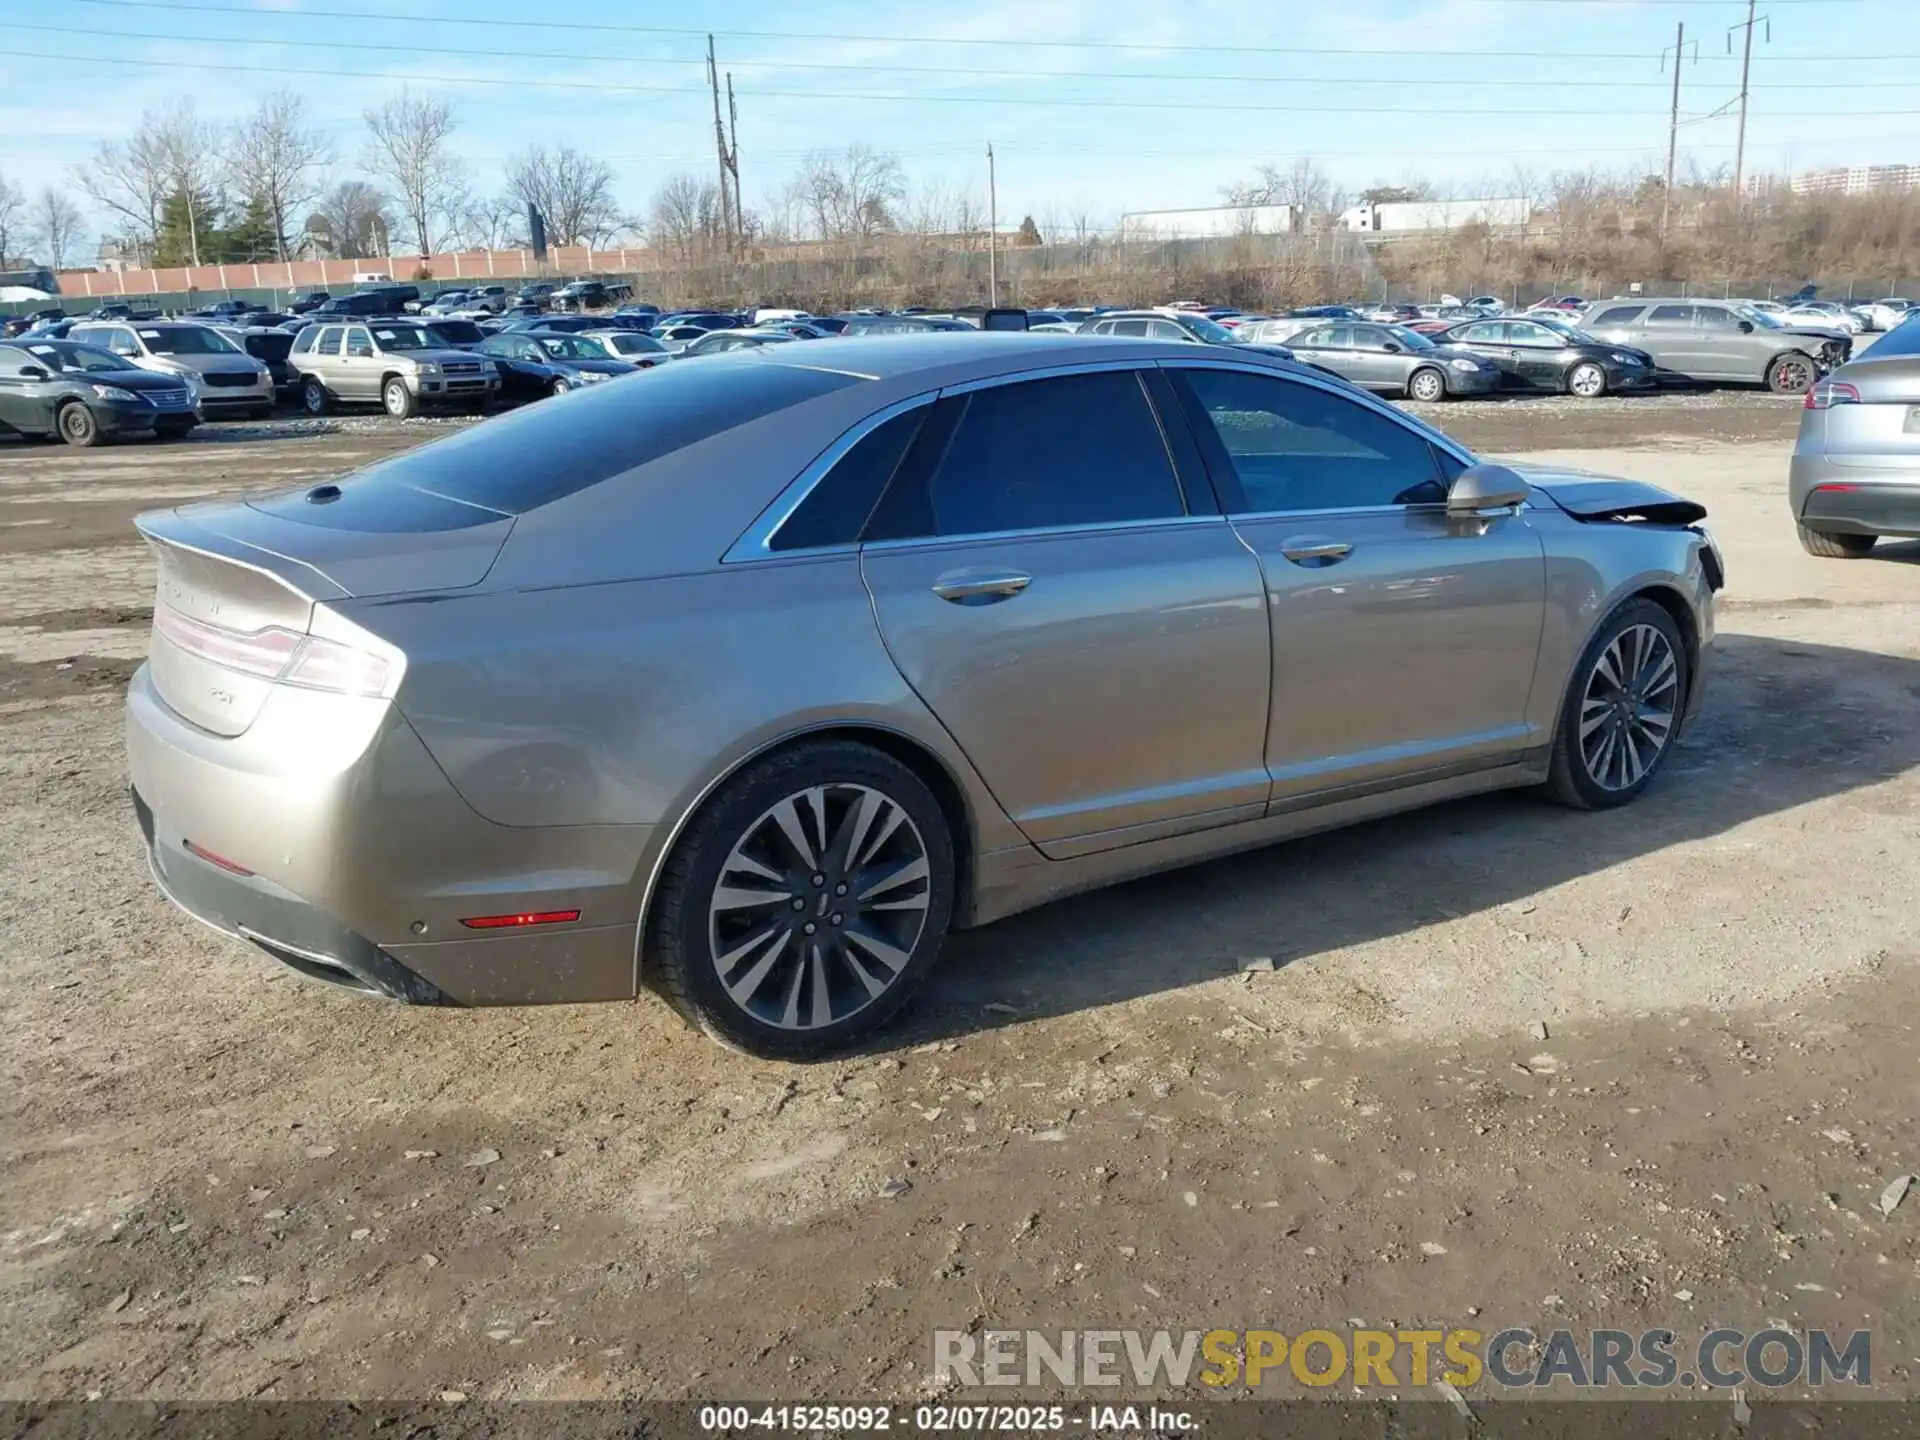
(219, 1181)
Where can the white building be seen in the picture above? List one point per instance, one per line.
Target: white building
(1856, 179)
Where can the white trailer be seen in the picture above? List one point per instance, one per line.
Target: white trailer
(1413, 216)
(1207, 223)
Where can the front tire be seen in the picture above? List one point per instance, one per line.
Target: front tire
(77, 426)
(1427, 386)
(314, 398)
(1587, 380)
(1792, 374)
(805, 903)
(1834, 547)
(560, 386)
(1622, 709)
(397, 399)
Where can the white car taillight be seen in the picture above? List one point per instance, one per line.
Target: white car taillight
(309, 661)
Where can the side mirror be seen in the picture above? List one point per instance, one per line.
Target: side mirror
(1480, 489)
(32, 372)
(1746, 327)
(1391, 348)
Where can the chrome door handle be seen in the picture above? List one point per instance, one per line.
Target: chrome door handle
(1301, 552)
(963, 585)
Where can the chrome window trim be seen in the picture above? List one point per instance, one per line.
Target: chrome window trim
(1050, 372)
(1044, 532)
(757, 541)
(1365, 398)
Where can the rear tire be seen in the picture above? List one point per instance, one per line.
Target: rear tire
(1427, 386)
(851, 936)
(314, 398)
(1834, 547)
(397, 399)
(1792, 374)
(76, 425)
(1622, 710)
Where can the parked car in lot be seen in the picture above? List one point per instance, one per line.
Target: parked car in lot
(228, 309)
(581, 295)
(1394, 361)
(399, 365)
(1855, 473)
(904, 324)
(445, 302)
(633, 346)
(309, 300)
(1052, 607)
(718, 342)
(1825, 313)
(456, 334)
(485, 299)
(538, 293)
(1720, 340)
(1188, 326)
(1541, 354)
(85, 395)
(535, 364)
(229, 381)
(272, 348)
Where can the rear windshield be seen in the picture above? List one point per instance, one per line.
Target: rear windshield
(532, 457)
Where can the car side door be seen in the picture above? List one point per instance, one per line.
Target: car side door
(1667, 333)
(1051, 575)
(1404, 638)
(1378, 361)
(1538, 353)
(1488, 339)
(1331, 348)
(1732, 353)
(358, 367)
(26, 405)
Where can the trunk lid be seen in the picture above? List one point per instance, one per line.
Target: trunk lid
(239, 580)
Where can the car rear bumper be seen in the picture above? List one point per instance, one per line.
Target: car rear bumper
(339, 847)
(1852, 499)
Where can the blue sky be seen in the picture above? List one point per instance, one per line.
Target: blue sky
(1094, 107)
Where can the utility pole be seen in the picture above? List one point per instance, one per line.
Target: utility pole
(1673, 129)
(720, 144)
(1746, 67)
(733, 162)
(993, 230)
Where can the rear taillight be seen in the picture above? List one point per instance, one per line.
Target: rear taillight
(1829, 393)
(309, 661)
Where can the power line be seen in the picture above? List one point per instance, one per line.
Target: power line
(1229, 47)
(1102, 76)
(1210, 106)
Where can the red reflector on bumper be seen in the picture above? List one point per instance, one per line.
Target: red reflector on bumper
(1848, 488)
(538, 917)
(213, 859)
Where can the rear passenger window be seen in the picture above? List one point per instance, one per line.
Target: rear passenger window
(1127, 327)
(836, 509)
(1295, 447)
(1671, 315)
(1078, 450)
(1618, 315)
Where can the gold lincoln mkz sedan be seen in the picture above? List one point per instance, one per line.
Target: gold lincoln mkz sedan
(749, 680)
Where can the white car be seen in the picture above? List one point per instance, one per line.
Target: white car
(1822, 312)
(1883, 314)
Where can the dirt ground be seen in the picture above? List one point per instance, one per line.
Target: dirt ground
(1513, 1065)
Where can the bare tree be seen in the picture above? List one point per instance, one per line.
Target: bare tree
(13, 205)
(1303, 185)
(354, 218)
(410, 147)
(190, 154)
(497, 223)
(132, 178)
(851, 193)
(55, 222)
(572, 192)
(274, 156)
(683, 217)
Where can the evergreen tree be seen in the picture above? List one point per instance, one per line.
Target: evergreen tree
(250, 235)
(173, 245)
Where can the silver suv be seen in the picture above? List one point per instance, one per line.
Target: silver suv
(224, 378)
(400, 365)
(1721, 340)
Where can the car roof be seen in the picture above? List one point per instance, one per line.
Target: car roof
(947, 358)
